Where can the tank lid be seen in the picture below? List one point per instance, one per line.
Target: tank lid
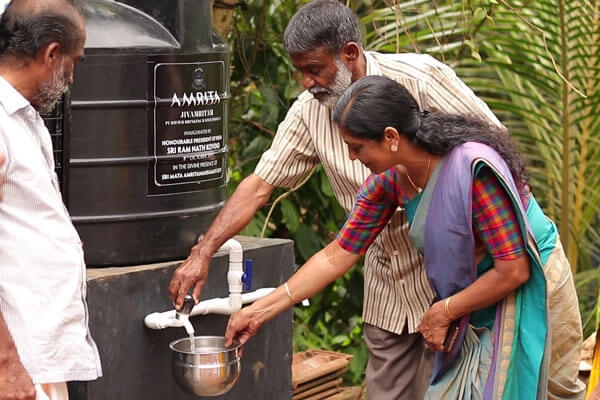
(115, 25)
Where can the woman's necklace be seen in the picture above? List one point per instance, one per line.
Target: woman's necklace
(418, 188)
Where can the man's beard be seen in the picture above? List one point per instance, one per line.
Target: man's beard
(50, 91)
(341, 81)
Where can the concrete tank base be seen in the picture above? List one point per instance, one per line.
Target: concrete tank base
(136, 361)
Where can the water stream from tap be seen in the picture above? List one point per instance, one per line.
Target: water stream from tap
(184, 316)
(190, 331)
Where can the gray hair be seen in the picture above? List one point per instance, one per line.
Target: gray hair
(26, 26)
(321, 23)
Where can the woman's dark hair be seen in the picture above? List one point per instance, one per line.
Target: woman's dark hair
(373, 103)
(27, 28)
(321, 23)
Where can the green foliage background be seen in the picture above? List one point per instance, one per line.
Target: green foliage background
(534, 62)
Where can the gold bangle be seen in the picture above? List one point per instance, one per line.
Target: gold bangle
(447, 307)
(287, 290)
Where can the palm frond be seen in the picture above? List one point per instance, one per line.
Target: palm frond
(535, 63)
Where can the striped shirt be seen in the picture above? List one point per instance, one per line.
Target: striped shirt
(495, 224)
(397, 291)
(42, 269)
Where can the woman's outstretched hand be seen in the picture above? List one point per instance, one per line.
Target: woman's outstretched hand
(241, 327)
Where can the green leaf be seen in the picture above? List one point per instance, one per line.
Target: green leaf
(326, 188)
(307, 242)
(291, 216)
(479, 14)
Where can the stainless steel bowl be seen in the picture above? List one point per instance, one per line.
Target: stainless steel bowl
(211, 370)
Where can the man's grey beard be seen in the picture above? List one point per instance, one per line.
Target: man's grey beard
(51, 91)
(341, 81)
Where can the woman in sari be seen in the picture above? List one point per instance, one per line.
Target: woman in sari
(505, 323)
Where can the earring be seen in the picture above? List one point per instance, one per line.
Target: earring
(394, 148)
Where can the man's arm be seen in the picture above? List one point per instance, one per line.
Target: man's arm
(15, 382)
(250, 195)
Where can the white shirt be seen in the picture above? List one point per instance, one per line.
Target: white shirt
(42, 270)
(397, 291)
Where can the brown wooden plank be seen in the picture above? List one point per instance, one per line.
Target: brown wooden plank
(318, 389)
(318, 381)
(323, 395)
(311, 364)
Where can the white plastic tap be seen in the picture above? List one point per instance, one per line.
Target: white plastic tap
(222, 305)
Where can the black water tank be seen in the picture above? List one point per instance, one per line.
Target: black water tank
(146, 168)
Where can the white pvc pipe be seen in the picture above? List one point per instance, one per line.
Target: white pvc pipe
(235, 273)
(221, 305)
(226, 306)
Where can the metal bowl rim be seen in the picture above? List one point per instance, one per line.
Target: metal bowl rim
(234, 347)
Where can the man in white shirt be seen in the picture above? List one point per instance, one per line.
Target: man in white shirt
(44, 336)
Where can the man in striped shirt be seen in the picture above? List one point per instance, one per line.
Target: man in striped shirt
(324, 42)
